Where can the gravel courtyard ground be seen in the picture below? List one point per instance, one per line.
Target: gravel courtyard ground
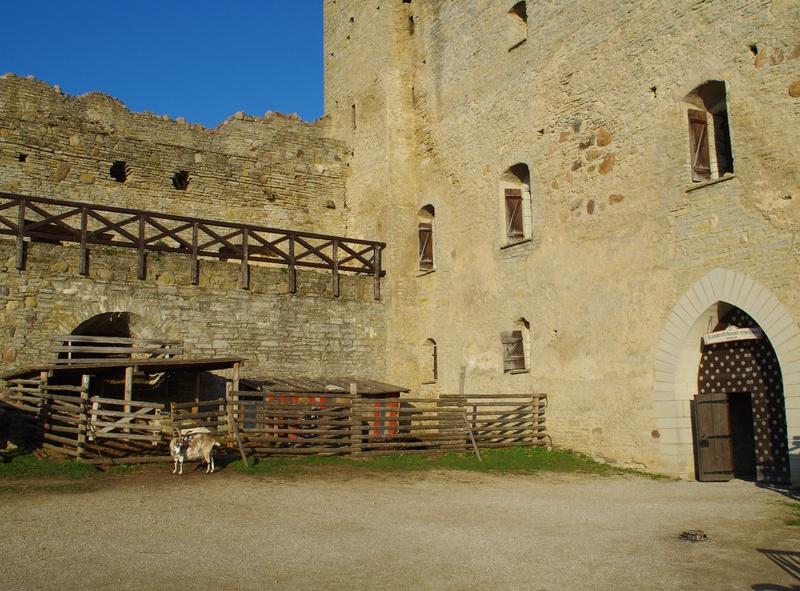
(351, 530)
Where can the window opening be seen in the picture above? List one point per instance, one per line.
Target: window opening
(180, 180)
(711, 156)
(425, 237)
(430, 365)
(22, 157)
(516, 196)
(516, 345)
(353, 114)
(518, 26)
(119, 171)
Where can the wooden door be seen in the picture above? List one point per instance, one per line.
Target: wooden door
(713, 438)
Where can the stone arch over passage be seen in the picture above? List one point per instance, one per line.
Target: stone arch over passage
(679, 355)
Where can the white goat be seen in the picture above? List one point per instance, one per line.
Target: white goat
(192, 446)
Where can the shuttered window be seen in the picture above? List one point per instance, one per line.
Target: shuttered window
(513, 351)
(698, 144)
(514, 230)
(425, 230)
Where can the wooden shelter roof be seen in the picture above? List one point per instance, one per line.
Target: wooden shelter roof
(112, 365)
(306, 385)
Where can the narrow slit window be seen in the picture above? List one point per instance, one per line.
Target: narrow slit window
(425, 220)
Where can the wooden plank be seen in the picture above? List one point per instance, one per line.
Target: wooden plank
(118, 402)
(115, 350)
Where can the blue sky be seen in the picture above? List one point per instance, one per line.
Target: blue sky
(202, 60)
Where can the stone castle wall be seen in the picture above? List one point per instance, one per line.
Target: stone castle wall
(590, 97)
(309, 332)
(272, 171)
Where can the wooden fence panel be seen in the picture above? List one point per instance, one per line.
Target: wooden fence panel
(268, 424)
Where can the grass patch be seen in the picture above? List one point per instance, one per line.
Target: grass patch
(22, 464)
(72, 487)
(517, 460)
(794, 520)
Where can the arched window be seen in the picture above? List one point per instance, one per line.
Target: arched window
(425, 219)
(516, 197)
(710, 151)
(517, 25)
(430, 362)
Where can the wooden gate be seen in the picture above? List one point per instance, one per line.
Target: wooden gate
(713, 438)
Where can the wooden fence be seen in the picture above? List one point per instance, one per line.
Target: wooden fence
(35, 218)
(321, 423)
(66, 419)
(100, 430)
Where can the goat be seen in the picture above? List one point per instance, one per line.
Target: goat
(192, 446)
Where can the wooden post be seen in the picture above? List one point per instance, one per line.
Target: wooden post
(85, 416)
(356, 431)
(335, 257)
(141, 260)
(83, 265)
(245, 260)
(233, 426)
(20, 262)
(292, 269)
(376, 279)
(195, 264)
(128, 391)
(196, 390)
(235, 378)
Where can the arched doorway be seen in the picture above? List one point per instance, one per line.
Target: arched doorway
(679, 357)
(739, 410)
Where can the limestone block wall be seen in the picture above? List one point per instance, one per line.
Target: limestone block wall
(590, 98)
(309, 332)
(274, 171)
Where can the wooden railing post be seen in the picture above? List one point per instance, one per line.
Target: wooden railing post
(245, 260)
(335, 258)
(195, 265)
(141, 260)
(292, 269)
(376, 277)
(83, 264)
(20, 262)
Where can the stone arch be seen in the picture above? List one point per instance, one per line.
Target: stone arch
(678, 357)
(144, 320)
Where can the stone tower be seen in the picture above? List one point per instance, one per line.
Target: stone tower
(573, 194)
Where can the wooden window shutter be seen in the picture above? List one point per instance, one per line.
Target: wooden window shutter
(698, 144)
(514, 214)
(513, 352)
(425, 246)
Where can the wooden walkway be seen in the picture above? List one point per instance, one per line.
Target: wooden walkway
(56, 222)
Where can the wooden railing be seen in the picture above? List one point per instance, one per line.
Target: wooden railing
(39, 219)
(82, 348)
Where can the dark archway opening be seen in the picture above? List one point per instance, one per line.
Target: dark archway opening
(747, 436)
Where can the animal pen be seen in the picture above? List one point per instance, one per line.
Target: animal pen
(120, 400)
(343, 416)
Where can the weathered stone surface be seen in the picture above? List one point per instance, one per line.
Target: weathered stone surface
(604, 137)
(768, 56)
(62, 170)
(607, 165)
(794, 89)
